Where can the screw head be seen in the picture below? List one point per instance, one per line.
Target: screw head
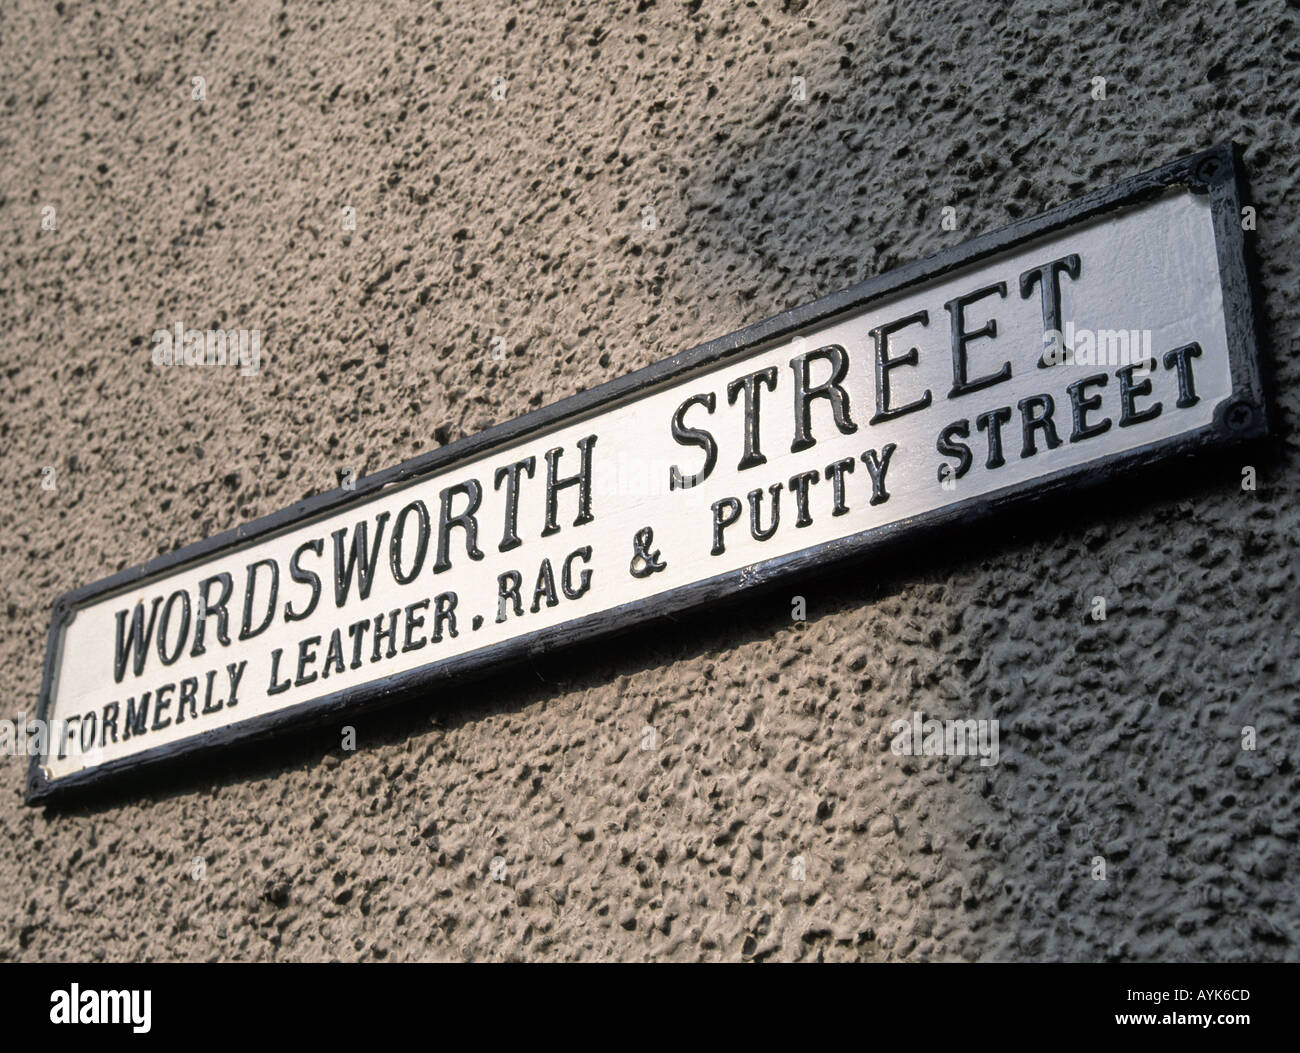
(1208, 169)
(1239, 416)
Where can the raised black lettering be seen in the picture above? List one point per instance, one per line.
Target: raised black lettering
(831, 389)
(750, 386)
(948, 445)
(1128, 391)
(421, 512)
(878, 465)
(554, 485)
(992, 422)
(208, 607)
(961, 337)
(246, 630)
(1181, 357)
(138, 639)
(885, 362)
(685, 436)
(509, 474)
(1048, 279)
(304, 577)
(465, 520)
(1081, 406)
(1036, 415)
(357, 553)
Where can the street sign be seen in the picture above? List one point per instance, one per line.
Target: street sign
(1101, 337)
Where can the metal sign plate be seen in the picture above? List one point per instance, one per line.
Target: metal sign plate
(1105, 335)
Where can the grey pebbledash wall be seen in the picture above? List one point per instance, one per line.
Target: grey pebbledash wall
(501, 160)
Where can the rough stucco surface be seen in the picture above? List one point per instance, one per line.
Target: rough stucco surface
(522, 218)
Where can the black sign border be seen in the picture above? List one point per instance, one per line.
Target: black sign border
(1240, 417)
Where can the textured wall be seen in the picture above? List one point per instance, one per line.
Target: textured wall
(521, 218)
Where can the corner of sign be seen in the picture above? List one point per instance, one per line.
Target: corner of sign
(1215, 165)
(64, 611)
(38, 783)
(1241, 418)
